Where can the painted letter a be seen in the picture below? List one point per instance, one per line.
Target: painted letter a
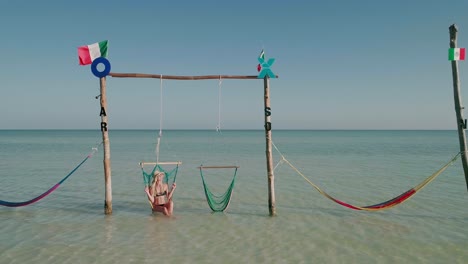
(103, 112)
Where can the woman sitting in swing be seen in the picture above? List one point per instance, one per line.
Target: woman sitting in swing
(159, 195)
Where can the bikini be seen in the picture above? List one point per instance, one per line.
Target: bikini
(161, 194)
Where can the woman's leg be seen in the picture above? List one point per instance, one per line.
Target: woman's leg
(161, 209)
(170, 207)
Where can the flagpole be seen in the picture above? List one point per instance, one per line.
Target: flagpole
(461, 122)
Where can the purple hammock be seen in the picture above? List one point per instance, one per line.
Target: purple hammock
(18, 204)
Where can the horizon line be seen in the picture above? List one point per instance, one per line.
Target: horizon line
(242, 129)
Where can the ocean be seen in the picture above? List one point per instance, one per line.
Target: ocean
(357, 167)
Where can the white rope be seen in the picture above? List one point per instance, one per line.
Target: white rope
(160, 117)
(277, 164)
(218, 127)
(161, 106)
(281, 154)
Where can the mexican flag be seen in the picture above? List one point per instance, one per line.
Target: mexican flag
(457, 54)
(88, 53)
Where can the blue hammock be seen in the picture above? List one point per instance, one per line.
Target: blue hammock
(53, 188)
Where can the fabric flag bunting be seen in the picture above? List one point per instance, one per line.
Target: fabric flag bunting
(87, 54)
(262, 56)
(456, 54)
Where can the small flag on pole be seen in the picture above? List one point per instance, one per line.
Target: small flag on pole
(261, 56)
(87, 54)
(456, 54)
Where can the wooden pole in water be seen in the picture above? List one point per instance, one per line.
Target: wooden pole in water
(461, 122)
(268, 152)
(106, 143)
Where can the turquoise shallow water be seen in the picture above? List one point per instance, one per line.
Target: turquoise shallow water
(360, 167)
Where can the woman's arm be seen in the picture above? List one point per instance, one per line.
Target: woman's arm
(150, 197)
(169, 196)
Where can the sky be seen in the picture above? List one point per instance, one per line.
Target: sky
(341, 64)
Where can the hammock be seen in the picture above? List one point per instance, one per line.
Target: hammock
(38, 198)
(218, 203)
(169, 176)
(380, 206)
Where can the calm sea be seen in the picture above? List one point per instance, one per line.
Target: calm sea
(358, 167)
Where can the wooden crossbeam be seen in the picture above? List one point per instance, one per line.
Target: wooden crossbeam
(143, 163)
(218, 167)
(178, 77)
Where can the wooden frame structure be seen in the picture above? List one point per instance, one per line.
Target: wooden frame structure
(105, 133)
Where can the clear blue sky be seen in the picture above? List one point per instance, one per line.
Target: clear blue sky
(342, 64)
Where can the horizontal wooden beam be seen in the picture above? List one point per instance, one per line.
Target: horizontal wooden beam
(186, 78)
(161, 163)
(218, 167)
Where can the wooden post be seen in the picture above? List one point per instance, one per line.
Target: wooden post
(461, 122)
(106, 143)
(268, 152)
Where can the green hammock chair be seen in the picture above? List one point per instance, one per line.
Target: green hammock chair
(169, 175)
(218, 203)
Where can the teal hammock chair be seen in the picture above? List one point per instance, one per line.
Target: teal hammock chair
(218, 203)
(170, 175)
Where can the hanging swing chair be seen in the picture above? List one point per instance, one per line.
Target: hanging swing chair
(169, 175)
(218, 203)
